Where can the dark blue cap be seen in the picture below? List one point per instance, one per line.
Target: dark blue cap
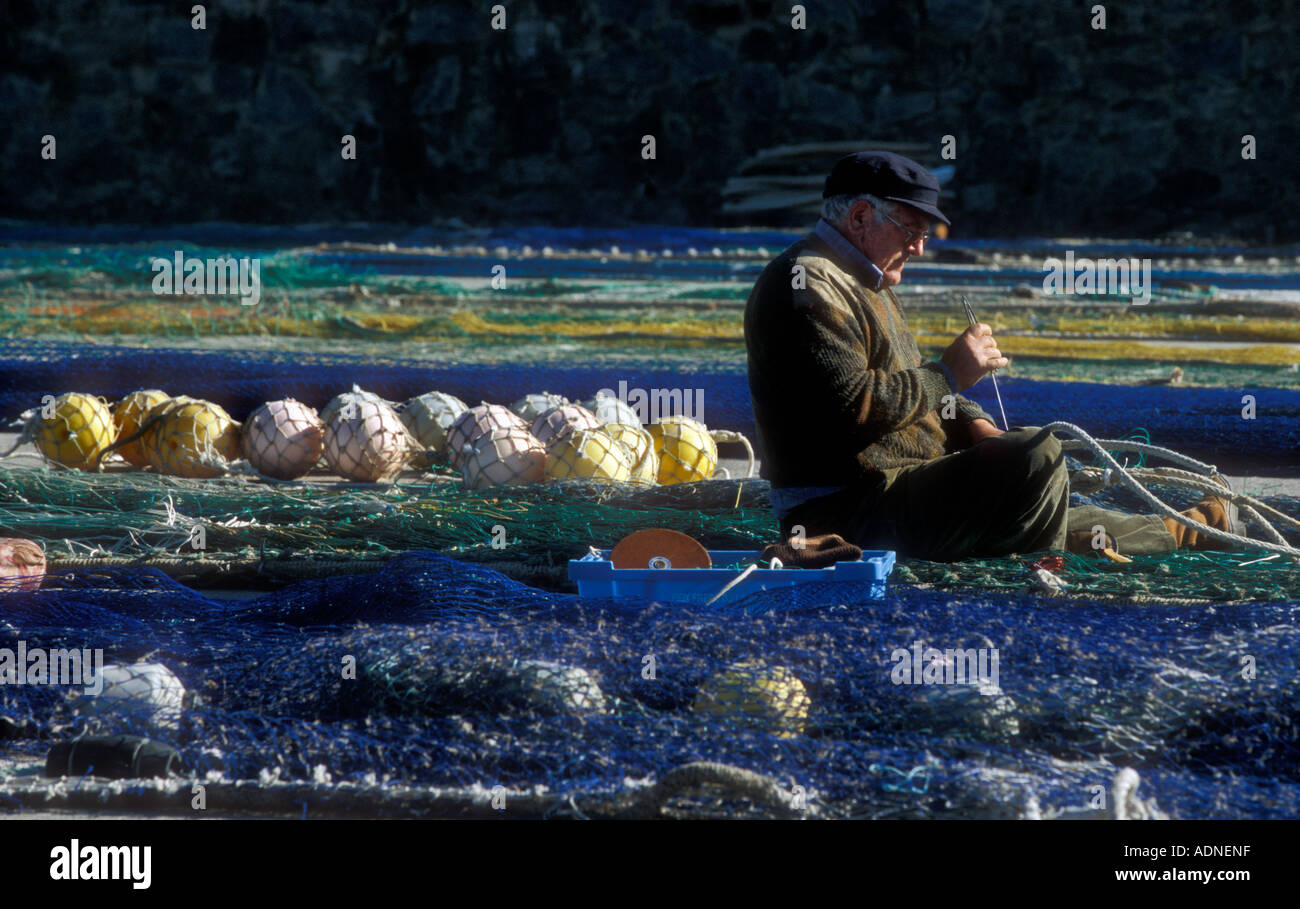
(887, 176)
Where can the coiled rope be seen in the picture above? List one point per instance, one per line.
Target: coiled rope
(1116, 473)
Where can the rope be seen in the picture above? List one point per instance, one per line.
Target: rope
(746, 783)
(297, 567)
(1094, 478)
(1182, 478)
(148, 424)
(1174, 457)
(732, 583)
(210, 569)
(173, 796)
(1160, 507)
(727, 435)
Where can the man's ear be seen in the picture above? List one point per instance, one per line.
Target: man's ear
(860, 216)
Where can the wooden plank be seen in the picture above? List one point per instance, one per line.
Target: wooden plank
(772, 202)
(837, 149)
(760, 183)
(787, 187)
(768, 182)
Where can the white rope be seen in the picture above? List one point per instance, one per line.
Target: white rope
(1174, 477)
(1143, 493)
(1173, 457)
(1093, 479)
(726, 436)
(1253, 515)
(1277, 515)
(733, 582)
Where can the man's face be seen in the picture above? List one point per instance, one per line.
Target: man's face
(887, 244)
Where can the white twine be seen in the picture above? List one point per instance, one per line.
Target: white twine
(1097, 449)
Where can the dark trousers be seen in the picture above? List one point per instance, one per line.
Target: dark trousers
(1007, 494)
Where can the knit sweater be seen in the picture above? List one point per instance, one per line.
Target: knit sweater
(836, 382)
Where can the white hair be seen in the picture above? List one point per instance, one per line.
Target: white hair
(836, 209)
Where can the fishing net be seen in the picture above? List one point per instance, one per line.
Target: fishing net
(183, 437)
(472, 693)
(250, 530)
(437, 686)
(504, 457)
(660, 295)
(429, 418)
(365, 441)
(1203, 422)
(283, 439)
(417, 648)
(234, 529)
(590, 454)
(75, 430)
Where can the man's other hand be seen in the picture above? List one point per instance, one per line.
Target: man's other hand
(973, 355)
(981, 429)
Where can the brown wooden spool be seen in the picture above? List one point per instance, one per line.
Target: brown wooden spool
(638, 549)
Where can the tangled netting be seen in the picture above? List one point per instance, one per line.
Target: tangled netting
(264, 535)
(471, 689)
(1204, 422)
(254, 530)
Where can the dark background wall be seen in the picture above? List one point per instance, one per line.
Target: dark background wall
(1059, 127)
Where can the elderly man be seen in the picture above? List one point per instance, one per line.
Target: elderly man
(863, 438)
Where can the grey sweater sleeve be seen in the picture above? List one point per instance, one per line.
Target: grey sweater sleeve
(968, 410)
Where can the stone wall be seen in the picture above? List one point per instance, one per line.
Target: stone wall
(1060, 127)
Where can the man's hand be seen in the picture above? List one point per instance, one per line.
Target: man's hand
(973, 355)
(981, 429)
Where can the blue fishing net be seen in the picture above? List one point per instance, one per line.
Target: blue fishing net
(427, 684)
(466, 681)
(1202, 422)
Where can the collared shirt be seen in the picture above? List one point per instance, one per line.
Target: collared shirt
(849, 253)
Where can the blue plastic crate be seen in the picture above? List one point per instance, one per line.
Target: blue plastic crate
(597, 577)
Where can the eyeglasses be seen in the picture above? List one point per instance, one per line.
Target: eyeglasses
(911, 234)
